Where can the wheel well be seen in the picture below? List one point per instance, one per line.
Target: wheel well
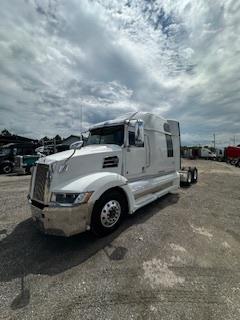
(121, 191)
(6, 162)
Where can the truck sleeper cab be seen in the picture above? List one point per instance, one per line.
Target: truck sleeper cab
(125, 164)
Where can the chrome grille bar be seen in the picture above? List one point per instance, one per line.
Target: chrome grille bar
(40, 182)
(17, 162)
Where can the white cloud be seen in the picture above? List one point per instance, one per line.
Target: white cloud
(178, 58)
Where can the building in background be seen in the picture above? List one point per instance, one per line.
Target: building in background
(6, 137)
(69, 140)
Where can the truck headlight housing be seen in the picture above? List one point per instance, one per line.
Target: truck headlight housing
(70, 199)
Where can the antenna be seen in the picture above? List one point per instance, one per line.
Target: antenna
(81, 116)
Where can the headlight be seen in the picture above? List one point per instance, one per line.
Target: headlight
(70, 199)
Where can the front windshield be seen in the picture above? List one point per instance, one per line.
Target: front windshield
(107, 135)
(4, 151)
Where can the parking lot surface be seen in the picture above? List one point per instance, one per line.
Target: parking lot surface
(178, 258)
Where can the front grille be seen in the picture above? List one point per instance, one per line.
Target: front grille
(40, 182)
(17, 161)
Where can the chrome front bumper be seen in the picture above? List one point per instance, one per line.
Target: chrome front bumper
(20, 170)
(61, 221)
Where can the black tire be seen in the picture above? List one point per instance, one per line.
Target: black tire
(101, 221)
(194, 174)
(237, 163)
(7, 168)
(28, 170)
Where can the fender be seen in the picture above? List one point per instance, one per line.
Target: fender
(6, 162)
(99, 183)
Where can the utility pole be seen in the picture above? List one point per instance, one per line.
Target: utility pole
(234, 140)
(54, 145)
(214, 141)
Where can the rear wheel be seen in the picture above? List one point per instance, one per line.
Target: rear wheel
(28, 170)
(108, 212)
(237, 163)
(189, 178)
(194, 175)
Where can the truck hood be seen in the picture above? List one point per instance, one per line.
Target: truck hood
(85, 151)
(87, 160)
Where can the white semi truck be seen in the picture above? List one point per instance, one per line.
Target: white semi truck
(125, 164)
(206, 153)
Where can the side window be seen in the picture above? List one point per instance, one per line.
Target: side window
(169, 145)
(136, 133)
(19, 151)
(27, 151)
(131, 138)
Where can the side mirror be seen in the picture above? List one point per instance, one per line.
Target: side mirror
(139, 133)
(76, 145)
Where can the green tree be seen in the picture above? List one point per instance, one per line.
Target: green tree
(5, 133)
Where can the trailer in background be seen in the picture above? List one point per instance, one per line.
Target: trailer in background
(190, 152)
(220, 154)
(232, 155)
(198, 153)
(206, 153)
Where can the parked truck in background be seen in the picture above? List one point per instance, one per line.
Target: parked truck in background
(9, 151)
(220, 154)
(198, 153)
(24, 163)
(206, 153)
(125, 164)
(232, 155)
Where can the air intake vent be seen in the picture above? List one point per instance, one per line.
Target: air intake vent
(110, 162)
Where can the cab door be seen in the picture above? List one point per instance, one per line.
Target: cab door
(135, 153)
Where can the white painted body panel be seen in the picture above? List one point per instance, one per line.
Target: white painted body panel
(149, 189)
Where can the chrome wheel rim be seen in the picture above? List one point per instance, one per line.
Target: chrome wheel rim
(195, 175)
(110, 213)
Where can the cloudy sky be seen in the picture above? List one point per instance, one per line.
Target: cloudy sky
(178, 58)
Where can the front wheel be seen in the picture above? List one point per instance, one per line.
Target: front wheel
(108, 212)
(6, 168)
